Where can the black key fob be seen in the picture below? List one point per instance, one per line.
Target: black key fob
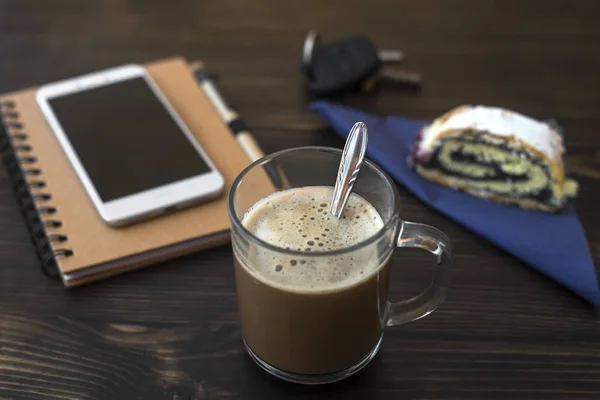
(342, 64)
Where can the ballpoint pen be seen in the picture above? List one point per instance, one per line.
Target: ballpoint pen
(237, 126)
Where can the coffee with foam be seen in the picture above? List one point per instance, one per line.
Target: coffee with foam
(298, 219)
(319, 306)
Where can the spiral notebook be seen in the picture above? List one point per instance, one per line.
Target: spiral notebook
(71, 239)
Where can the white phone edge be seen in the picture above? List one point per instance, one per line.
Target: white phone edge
(146, 204)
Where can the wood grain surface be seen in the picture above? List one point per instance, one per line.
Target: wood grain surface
(171, 331)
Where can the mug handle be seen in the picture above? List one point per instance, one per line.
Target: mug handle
(437, 243)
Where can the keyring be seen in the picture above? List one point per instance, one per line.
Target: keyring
(312, 39)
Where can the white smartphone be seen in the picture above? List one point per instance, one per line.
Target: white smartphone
(133, 154)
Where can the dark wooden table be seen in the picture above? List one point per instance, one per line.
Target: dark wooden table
(171, 331)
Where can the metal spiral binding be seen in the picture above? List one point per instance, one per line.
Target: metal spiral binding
(46, 224)
(20, 166)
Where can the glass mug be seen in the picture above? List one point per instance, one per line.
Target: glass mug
(320, 336)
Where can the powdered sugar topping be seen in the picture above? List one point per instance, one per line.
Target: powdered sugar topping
(500, 122)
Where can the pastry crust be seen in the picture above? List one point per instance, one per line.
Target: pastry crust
(536, 137)
(500, 123)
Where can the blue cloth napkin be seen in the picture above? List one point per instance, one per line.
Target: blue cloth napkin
(555, 245)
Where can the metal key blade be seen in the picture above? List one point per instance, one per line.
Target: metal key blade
(396, 56)
(400, 76)
(350, 163)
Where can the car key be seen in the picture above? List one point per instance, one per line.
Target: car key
(351, 62)
(395, 75)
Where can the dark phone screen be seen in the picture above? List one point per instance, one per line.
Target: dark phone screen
(125, 139)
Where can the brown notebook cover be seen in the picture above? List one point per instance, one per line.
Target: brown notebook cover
(93, 250)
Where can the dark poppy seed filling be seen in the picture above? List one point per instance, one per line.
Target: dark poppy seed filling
(492, 168)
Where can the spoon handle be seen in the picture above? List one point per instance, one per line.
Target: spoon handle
(350, 163)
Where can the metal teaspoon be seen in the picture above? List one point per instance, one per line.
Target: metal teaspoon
(350, 163)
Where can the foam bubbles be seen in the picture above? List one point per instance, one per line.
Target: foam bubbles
(299, 219)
